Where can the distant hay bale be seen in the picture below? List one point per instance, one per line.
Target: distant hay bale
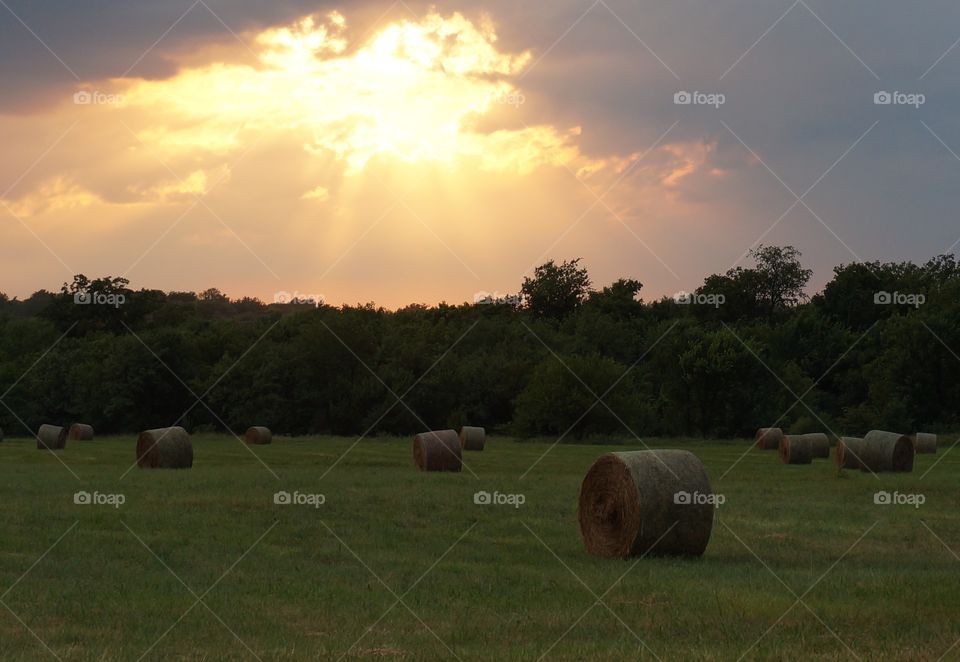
(796, 449)
(656, 501)
(848, 452)
(472, 438)
(923, 443)
(887, 451)
(820, 443)
(258, 435)
(165, 448)
(437, 451)
(80, 432)
(768, 439)
(52, 437)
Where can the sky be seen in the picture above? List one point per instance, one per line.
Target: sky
(409, 152)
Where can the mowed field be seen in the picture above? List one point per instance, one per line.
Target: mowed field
(202, 564)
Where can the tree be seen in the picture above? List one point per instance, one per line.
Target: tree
(618, 299)
(781, 277)
(556, 291)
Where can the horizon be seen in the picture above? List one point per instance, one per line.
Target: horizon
(408, 153)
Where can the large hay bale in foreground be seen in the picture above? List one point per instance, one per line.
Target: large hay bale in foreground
(886, 451)
(924, 442)
(848, 452)
(258, 435)
(51, 437)
(165, 448)
(437, 451)
(656, 501)
(472, 438)
(80, 432)
(796, 449)
(768, 439)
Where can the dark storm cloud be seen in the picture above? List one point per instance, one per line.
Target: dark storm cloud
(46, 47)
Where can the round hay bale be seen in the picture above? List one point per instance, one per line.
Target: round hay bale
(848, 452)
(472, 438)
(796, 449)
(820, 443)
(886, 451)
(165, 448)
(768, 439)
(51, 437)
(923, 442)
(258, 435)
(657, 501)
(80, 432)
(437, 451)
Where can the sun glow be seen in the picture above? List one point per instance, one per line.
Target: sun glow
(414, 93)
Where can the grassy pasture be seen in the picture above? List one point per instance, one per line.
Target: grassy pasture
(395, 564)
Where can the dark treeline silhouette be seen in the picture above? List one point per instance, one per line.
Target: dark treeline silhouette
(877, 348)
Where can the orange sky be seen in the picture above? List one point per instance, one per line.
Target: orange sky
(410, 159)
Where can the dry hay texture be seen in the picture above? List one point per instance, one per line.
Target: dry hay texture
(887, 451)
(768, 439)
(165, 448)
(52, 437)
(796, 449)
(258, 435)
(628, 505)
(437, 451)
(80, 432)
(472, 438)
(848, 452)
(820, 444)
(923, 442)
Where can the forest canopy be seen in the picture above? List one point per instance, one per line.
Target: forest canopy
(876, 348)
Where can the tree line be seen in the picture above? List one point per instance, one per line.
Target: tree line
(876, 348)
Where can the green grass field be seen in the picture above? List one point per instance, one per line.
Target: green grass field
(203, 565)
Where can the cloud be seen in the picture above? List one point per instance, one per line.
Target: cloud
(532, 113)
